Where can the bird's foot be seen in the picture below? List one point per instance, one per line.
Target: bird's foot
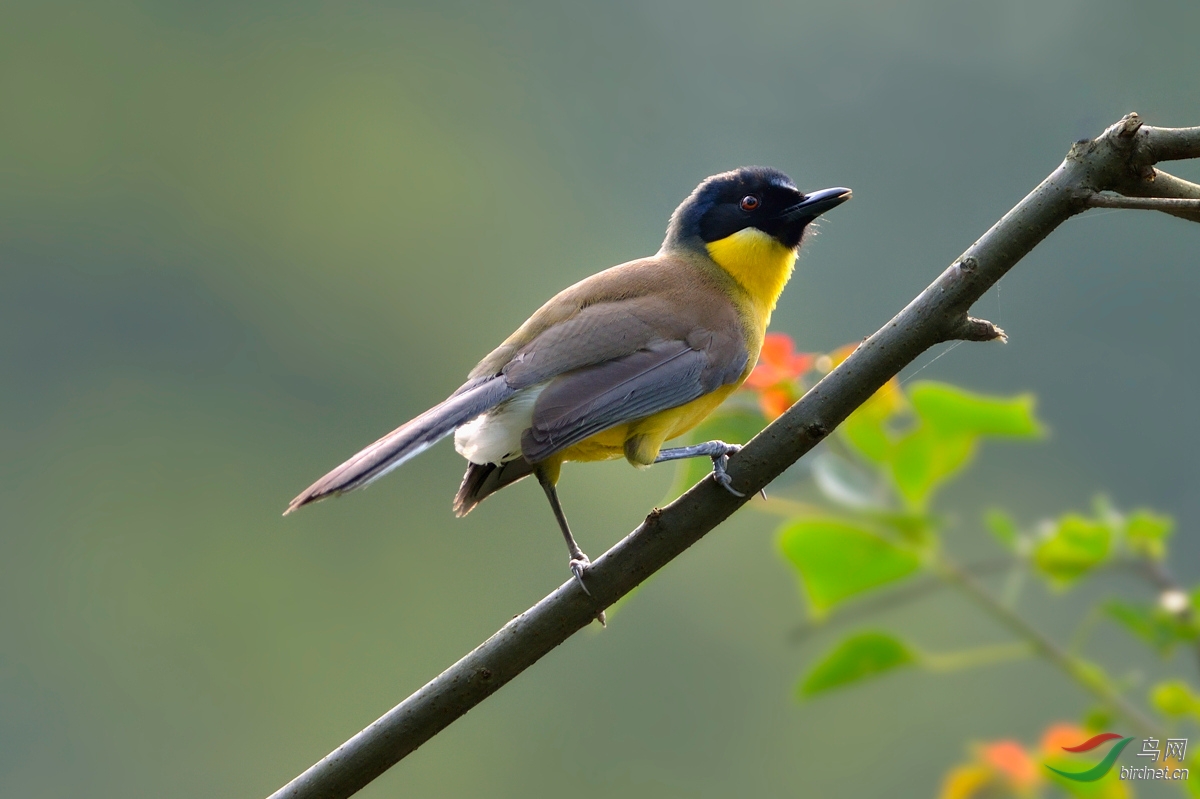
(579, 565)
(719, 451)
(720, 463)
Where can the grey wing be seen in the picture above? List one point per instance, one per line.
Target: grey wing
(597, 334)
(664, 375)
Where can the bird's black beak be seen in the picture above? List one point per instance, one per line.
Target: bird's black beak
(816, 204)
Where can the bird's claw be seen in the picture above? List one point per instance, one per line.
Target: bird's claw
(726, 481)
(720, 462)
(578, 567)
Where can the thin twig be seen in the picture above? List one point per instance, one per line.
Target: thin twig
(1074, 667)
(975, 657)
(1143, 203)
(1150, 181)
(938, 314)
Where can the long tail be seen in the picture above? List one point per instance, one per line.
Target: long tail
(483, 479)
(408, 440)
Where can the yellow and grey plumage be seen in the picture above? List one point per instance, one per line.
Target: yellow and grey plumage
(623, 361)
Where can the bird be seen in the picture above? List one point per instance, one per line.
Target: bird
(623, 361)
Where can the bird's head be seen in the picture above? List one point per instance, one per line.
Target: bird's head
(750, 222)
(756, 199)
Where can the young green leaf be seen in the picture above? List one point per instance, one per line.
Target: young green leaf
(866, 430)
(1099, 717)
(924, 458)
(838, 559)
(954, 412)
(1076, 546)
(951, 422)
(1141, 622)
(856, 658)
(1155, 626)
(1146, 533)
(1175, 698)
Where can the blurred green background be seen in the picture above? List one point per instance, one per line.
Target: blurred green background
(239, 241)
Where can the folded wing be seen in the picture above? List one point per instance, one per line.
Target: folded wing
(663, 375)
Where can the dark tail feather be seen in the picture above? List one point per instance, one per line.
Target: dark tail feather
(408, 440)
(483, 479)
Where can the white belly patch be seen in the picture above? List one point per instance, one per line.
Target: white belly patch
(495, 437)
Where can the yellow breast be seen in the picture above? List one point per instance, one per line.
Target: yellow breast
(759, 263)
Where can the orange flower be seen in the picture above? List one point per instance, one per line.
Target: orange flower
(1000, 768)
(1006, 768)
(773, 402)
(1060, 735)
(778, 362)
(1010, 759)
(774, 378)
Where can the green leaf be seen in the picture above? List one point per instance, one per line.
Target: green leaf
(1001, 525)
(950, 422)
(1138, 621)
(924, 458)
(1076, 546)
(1098, 717)
(912, 466)
(856, 658)
(918, 529)
(1155, 626)
(1192, 786)
(867, 436)
(837, 559)
(866, 429)
(733, 426)
(1175, 698)
(1146, 533)
(954, 412)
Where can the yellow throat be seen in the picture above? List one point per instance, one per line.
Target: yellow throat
(759, 263)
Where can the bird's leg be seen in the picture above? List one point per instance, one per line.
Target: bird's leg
(719, 451)
(579, 561)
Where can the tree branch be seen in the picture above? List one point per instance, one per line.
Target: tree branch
(1115, 161)
(1168, 144)
(1146, 203)
(1156, 183)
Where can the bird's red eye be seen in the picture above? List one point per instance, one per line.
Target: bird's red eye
(749, 202)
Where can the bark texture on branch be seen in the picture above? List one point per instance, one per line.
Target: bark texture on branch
(1120, 160)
